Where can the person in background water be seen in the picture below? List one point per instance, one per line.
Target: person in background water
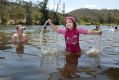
(97, 27)
(71, 33)
(19, 39)
(115, 28)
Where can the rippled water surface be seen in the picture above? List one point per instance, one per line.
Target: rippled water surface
(43, 54)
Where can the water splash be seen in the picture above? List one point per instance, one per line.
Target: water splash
(48, 42)
(95, 50)
(110, 30)
(41, 33)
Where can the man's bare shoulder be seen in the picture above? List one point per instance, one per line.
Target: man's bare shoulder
(14, 35)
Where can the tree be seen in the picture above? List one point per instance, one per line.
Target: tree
(28, 13)
(3, 11)
(44, 11)
(55, 13)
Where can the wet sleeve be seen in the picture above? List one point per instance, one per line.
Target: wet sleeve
(82, 31)
(61, 30)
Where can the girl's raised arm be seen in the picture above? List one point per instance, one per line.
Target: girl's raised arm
(94, 32)
(55, 28)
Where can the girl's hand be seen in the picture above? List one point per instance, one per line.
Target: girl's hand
(54, 27)
(49, 21)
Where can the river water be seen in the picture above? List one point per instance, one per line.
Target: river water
(36, 61)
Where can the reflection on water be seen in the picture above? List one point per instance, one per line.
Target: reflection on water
(70, 68)
(4, 41)
(39, 60)
(113, 73)
(20, 49)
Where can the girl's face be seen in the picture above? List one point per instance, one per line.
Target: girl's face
(69, 24)
(20, 30)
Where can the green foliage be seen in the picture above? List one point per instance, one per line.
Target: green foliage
(44, 11)
(24, 12)
(103, 16)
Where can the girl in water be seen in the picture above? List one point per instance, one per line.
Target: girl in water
(71, 33)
